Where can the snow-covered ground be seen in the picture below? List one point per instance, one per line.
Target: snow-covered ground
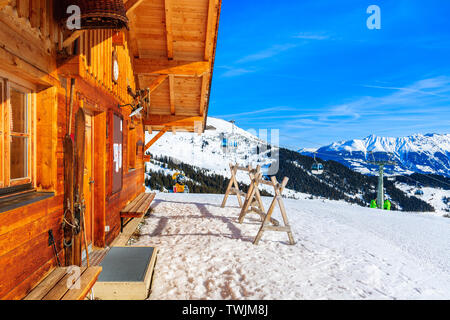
(342, 252)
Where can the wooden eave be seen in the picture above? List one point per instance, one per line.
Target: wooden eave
(172, 44)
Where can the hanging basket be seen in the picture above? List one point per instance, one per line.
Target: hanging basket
(95, 14)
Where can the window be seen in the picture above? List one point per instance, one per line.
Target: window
(117, 140)
(15, 134)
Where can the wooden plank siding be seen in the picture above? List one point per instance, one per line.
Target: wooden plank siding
(29, 38)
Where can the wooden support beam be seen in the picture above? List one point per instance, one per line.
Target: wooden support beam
(178, 68)
(198, 127)
(157, 82)
(171, 121)
(71, 38)
(204, 94)
(233, 188)
(17, 65)
(172, 94)
(169, 34)
(130, 5)
(155, 138)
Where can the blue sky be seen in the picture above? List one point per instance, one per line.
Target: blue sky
(315, 71)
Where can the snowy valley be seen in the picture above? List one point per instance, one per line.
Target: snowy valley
(203, 158)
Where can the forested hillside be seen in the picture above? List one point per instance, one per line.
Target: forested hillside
(337, 182)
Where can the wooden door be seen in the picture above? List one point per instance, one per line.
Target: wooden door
(88, 180)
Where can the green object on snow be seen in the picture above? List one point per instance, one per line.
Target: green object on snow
(373, 204)
(387, 205)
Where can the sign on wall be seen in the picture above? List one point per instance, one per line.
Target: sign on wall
(117, 167)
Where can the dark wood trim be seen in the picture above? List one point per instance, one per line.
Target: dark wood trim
(23, 199)
(15, 189)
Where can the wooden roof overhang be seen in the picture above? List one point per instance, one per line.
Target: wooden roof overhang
(172, 44)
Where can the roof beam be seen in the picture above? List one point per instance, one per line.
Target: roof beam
(130, 5)
(157, 82)
(71, 38)
(169, 34)
(171, 121)
(210, 28)
(3, 3)
(203, 94)
(172, 94)
(155, 138)
(173, 67)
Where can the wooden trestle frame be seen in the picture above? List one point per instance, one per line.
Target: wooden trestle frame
(253, 202)
(233, 186)
(278, 189)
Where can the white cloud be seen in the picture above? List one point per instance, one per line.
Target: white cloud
(267, 53)
(265, 111)
(234, 72)
(311, 36)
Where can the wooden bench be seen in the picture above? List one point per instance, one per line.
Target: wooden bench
(66, 283)
(136, 208)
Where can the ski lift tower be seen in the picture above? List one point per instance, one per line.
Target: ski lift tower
(381, 164)
(233, 140)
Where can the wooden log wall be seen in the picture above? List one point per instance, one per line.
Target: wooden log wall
(96, 50)
(29, 39)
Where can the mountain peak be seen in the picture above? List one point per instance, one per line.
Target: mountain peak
(423, 153)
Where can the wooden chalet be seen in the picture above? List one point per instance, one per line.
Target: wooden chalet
(157, 55)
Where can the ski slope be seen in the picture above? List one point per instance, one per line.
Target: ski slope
(342, 252)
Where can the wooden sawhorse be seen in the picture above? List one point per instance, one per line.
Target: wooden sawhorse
(253, 202)
(233, 186)
(278, 189)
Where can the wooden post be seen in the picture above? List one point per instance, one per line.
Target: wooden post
(250, 193)
(230, 189)
(253, 201)
(278, 189)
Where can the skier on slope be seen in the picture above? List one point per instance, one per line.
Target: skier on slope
(387, 205)
(373, 204)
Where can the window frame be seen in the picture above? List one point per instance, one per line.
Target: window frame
(112, 114)
(6, 135)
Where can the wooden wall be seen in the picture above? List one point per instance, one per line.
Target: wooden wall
(28, 42)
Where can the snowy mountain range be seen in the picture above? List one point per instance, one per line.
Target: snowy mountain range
(429, 153)
(339, 181)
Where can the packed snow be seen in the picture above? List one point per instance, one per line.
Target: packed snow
(342, 251)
